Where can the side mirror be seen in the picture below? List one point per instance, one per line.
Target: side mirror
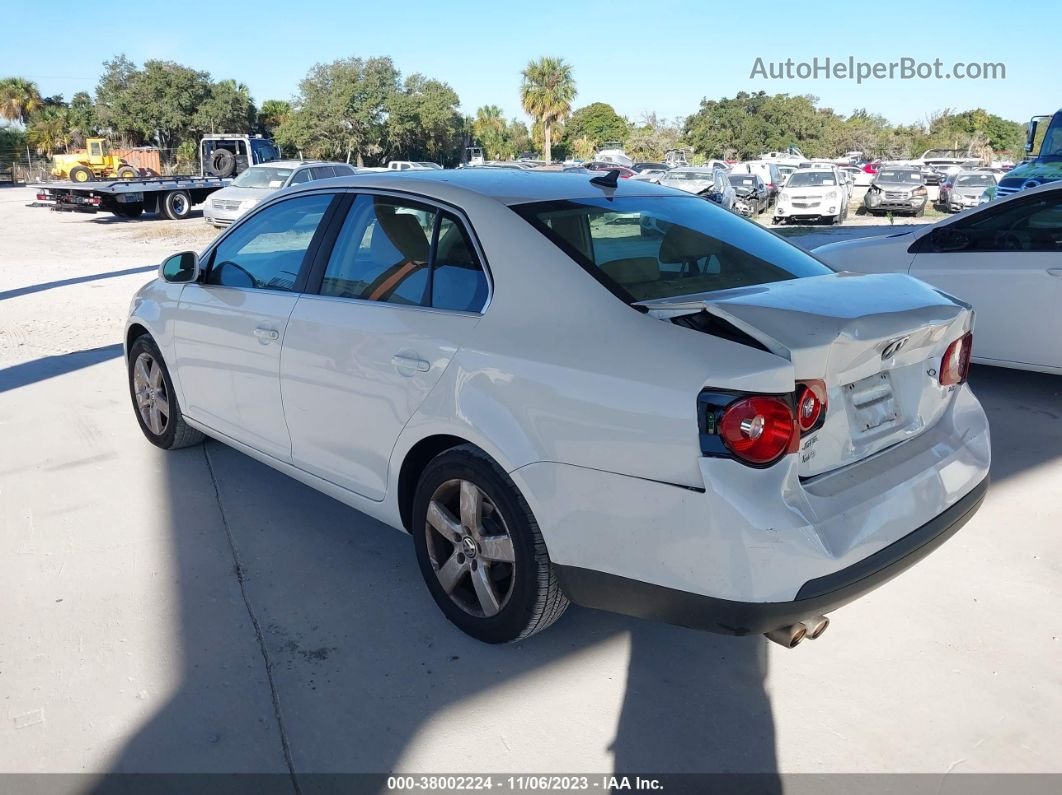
(180, 268)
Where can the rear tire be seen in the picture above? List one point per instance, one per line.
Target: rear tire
(127, 172)
(81, 174)
(176, 205)
(480, 551)
(154, 399)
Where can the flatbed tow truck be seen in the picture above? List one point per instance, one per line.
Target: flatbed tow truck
(222, 157)
(171, 197)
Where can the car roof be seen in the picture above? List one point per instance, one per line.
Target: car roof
(507, 186)
(296, 163)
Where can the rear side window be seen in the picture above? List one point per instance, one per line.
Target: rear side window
(323, 172)
(645, 248)
(403, 252)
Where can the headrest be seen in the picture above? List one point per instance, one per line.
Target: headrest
(406, 234)
(632, 270)
(681, 244)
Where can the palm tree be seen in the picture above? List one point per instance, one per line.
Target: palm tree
(19, 99)
(546, 93)
(489, 128)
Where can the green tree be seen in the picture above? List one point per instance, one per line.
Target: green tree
(50, 129)
(227, 108)
(652, 139)
(598, 123)
(341, 109)
(491, 131)
(423, 121)
(272, 114)
(19, 99)
(546, 95)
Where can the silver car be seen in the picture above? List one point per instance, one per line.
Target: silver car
(257, 183)
(966, 189)
(712, 183)
(898, 190)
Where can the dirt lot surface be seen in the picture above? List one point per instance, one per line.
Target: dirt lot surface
(195, 611)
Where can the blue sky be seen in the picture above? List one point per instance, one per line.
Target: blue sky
(637, 56)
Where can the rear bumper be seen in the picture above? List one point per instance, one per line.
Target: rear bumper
(598, 589)
(749, 548)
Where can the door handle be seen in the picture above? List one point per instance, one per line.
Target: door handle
(406, 363)
(267, 334)
(1055, 272)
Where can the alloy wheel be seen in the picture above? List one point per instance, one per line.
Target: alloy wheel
(470, 548)
(149, 387)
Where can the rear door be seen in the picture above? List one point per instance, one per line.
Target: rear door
(1007, 262)
(398, 292)
(230, 327)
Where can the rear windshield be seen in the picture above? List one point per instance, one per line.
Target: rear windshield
(644, 248)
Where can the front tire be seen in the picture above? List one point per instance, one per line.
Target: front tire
(480, 551)
(154, 400)
(81, 174)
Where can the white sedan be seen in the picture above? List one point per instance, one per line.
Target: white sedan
(704, 426)
(1004, 258)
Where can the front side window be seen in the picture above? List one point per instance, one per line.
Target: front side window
(1031, 225)
(645, 248)
(404, 252)
(300, 177)
(266, 251)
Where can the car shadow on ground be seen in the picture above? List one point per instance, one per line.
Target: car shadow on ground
(107, 218)
(364, 674)
(1025, 416)
(367, 676)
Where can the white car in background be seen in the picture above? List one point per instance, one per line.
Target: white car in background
(812, 194)
(1004, 258)
(257, 183)
(710, 428)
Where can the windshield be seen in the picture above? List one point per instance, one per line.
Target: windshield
(900, 176)
(265, 177)
(650, 247)
(1052, 144)
(693, 175)
(806, 179)
(974, 181)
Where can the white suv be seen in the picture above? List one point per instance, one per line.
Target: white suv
(812, 194)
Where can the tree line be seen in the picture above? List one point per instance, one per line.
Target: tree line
(364, 111)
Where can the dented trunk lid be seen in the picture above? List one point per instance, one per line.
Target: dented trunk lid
(875, 339)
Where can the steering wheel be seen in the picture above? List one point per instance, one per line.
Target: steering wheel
(235, 265)
(1010, 241)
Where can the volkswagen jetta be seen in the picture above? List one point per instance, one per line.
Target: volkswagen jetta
(705, 426)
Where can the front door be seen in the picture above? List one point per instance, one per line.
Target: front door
(230, 328)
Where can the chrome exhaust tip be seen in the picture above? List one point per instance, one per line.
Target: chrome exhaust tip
(788, 636)
(815, 626)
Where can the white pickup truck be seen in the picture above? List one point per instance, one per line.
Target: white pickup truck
(411, 165)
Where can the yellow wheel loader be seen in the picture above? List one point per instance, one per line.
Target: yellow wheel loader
(92, 164)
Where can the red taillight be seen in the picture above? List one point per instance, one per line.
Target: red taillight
(955, 366)
(759, 430)
(811, 404)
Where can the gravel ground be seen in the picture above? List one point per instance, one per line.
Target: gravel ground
(196, 611)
